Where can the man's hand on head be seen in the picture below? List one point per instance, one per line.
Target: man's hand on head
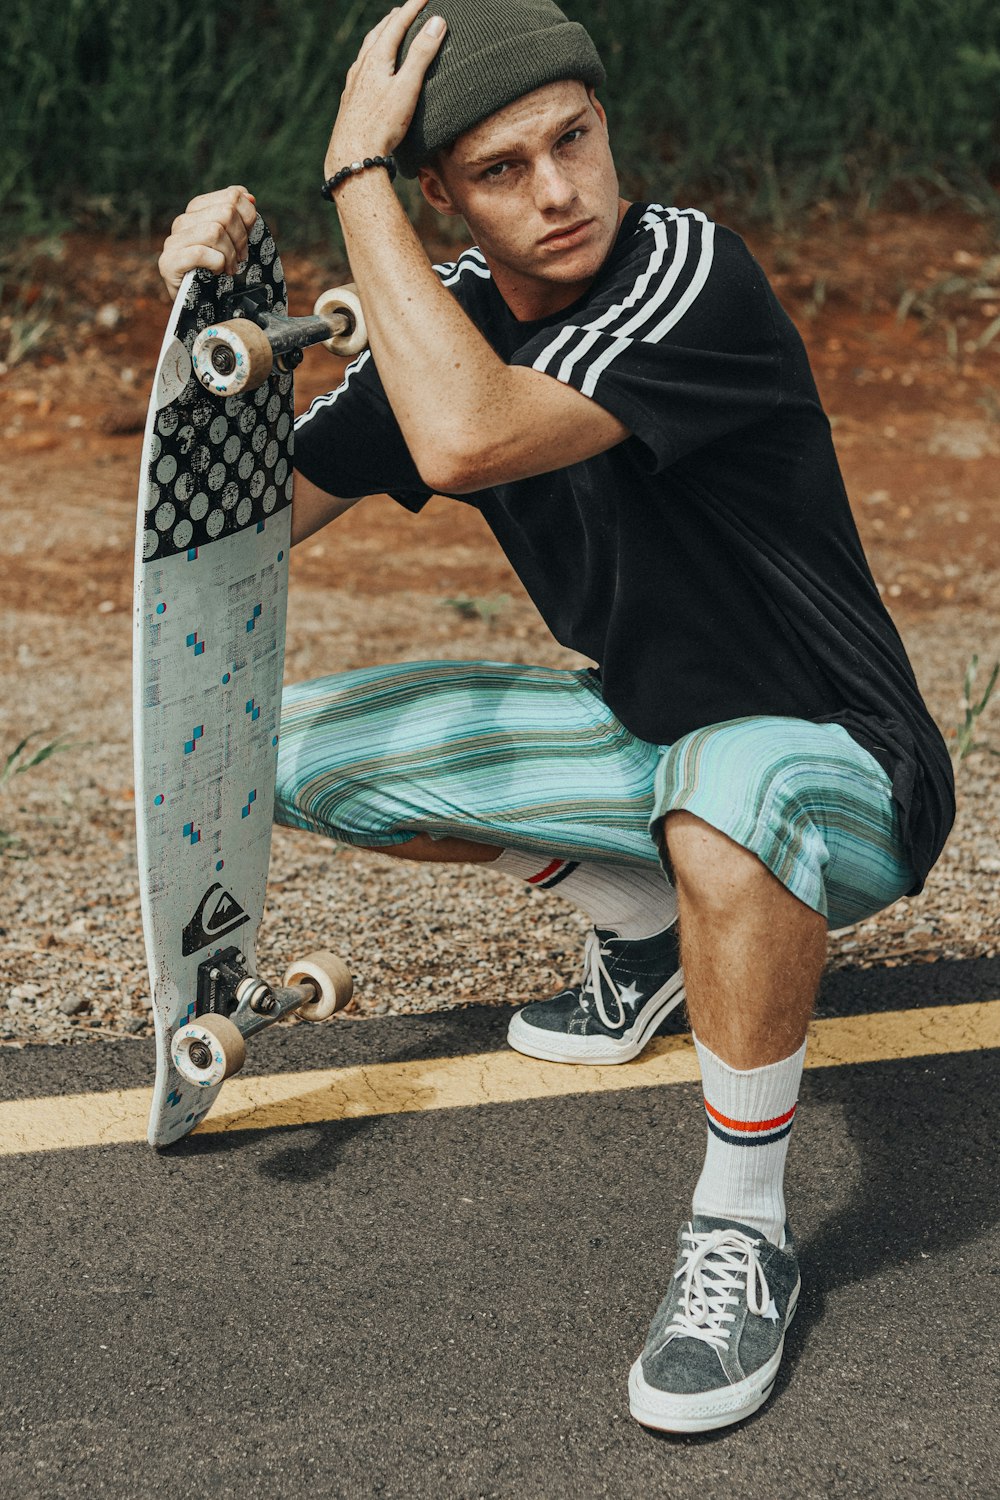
(211, 232)
(378, 102)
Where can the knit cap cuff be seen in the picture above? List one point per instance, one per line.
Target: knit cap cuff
(472, 88)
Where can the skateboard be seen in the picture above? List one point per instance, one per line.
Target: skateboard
(211, 583)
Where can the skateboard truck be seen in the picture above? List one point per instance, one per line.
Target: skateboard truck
(239, 354)
(232, 1004)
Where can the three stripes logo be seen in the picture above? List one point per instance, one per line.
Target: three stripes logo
(218, 914)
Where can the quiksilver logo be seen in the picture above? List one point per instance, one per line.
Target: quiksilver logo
(218, 913)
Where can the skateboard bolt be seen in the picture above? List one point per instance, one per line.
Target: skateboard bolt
(200, 1055)
(223, 360)
(258, 996)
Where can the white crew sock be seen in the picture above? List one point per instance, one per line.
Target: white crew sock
(635, 901)
(749, 1121)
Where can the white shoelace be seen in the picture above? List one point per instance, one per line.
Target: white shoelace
(717, 1266)
(596, 970)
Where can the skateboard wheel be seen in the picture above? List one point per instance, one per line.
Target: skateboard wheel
(232, 357)
(331, 979)
(344, 299)
(208, 1050)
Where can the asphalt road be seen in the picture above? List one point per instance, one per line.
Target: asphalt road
(446, 1303)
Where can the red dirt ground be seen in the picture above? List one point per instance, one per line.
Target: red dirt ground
(898, 312)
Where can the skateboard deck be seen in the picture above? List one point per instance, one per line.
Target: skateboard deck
(211, 582)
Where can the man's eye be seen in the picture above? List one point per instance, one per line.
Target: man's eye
(498, 169)
(571, 136)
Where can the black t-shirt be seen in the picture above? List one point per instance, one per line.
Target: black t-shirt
(709, 565)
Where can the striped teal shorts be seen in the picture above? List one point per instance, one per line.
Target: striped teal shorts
(532, 758)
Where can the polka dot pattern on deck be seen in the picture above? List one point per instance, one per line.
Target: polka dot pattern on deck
(217, 466)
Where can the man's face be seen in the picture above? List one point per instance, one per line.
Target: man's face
(537, 186)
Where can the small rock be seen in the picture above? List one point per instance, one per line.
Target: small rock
(123, 418)
(72, 1005)
(962, 439)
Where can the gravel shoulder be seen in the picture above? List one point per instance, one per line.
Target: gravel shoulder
(417, 938)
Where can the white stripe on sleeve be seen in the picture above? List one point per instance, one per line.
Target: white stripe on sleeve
(551, 350)
(470, 262)
(695, 287)
(322, 402)
(640, 306)
(601, 363)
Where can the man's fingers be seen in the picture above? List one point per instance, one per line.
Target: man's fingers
(200, 243)
(174, 265)
(392, 28)
(423, 47)
(225, 203)
(208, 228)
(375, 33)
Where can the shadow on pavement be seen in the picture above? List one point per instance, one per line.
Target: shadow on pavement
(924, 1134)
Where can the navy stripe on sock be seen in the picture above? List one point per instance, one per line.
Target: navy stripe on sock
(567, 869)
(733, 1138)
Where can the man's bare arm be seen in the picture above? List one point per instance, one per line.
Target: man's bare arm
(469, 419)
(313, 508)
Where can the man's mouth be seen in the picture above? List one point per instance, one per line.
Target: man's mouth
(570, 235)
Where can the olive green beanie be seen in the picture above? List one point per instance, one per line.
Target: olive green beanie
(494, 51)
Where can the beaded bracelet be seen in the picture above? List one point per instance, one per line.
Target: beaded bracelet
(332, 183)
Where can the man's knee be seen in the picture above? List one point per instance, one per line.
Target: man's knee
(708, 867)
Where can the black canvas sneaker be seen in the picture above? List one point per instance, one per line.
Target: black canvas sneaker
(716, 1341)
(629, 986)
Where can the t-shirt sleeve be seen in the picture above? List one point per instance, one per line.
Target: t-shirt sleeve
(678, 340)
(350, 444)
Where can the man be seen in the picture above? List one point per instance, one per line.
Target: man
(617, 390)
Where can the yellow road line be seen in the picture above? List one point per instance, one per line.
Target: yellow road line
(281, 1099)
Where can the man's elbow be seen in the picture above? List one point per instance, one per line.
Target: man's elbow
(452, 469)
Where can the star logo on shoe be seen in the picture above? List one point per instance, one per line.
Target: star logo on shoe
(770, 1312)
(630, 996)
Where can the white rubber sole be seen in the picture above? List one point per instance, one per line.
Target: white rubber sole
(563, 1046)
(705, 1410)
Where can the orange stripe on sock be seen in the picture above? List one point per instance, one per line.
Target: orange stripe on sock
(544, 874)
(749, 1124)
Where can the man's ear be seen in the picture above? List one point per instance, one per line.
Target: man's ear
(434, 190)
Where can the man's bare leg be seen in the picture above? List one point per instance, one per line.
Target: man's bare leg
(632, 901)
(426, 850)
(752, 952)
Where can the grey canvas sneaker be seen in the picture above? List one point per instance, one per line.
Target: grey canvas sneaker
(628, 987)
(715, 1343)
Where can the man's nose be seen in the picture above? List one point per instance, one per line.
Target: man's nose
(553, 189)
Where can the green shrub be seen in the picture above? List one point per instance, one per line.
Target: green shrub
(124, 108)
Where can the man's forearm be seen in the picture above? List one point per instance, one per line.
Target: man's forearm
(312, 509)
(445, 384)
(469, 419)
